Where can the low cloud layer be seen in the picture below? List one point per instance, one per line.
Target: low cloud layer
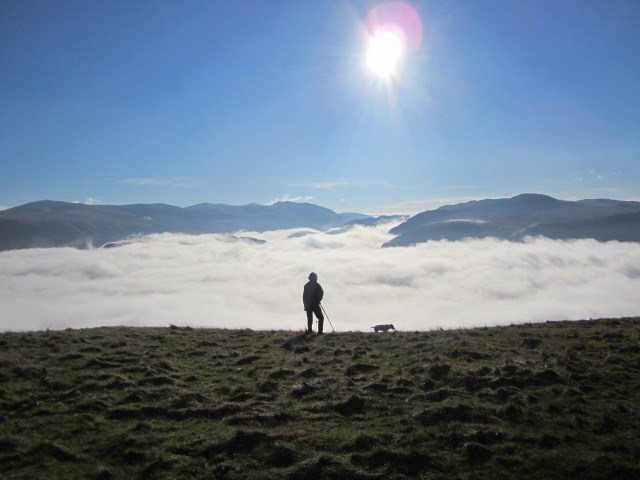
(222, 281)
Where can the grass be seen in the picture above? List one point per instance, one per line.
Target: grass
(551, 400)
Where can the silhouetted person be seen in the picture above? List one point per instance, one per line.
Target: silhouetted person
(311, 297)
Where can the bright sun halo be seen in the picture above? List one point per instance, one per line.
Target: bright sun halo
(383, 54)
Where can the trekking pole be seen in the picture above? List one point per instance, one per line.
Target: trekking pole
(325, 314)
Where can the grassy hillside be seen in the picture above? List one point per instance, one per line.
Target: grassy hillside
(553, 400)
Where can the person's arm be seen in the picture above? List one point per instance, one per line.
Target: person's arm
(320, 294)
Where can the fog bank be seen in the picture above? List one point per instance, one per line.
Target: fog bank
(220, 281)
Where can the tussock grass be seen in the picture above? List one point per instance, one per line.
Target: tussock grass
(551, 400)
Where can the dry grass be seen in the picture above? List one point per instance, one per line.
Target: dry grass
(551, 400)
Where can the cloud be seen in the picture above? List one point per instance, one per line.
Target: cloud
(592, 172)
(631, 199)
(332, 185)
(4, 207)
(328, 185)
(214, 281)
(180, 182)
(88, 201)
(290, 198)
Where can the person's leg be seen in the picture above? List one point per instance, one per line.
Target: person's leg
(309, 321)
(318, 312)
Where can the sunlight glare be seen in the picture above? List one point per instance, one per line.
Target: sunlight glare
(383, 54)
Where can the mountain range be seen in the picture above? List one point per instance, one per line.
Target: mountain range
(523, 215)
(50, 223)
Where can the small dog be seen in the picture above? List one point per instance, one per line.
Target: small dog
(384, 328)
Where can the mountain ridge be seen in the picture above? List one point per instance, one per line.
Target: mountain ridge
(527, 214)
(47, 223)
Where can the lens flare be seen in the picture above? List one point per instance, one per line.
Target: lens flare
(391, 30)
(383, 54)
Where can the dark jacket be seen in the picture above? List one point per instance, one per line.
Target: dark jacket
(312, 295)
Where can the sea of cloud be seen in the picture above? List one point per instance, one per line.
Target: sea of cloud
(224, 281)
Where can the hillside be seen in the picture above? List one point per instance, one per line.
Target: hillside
(550, 400)
(624, 228)
(49, 223)
(523, 215)
(374, 221)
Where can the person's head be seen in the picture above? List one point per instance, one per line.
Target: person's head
(313, 277)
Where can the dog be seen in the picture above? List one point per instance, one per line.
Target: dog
(384, 328)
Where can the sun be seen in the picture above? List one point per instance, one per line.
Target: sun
(384, 52)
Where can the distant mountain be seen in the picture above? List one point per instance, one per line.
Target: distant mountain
(523, 215)
(368, 222)
(374, 221)
(449, 230)
(50, 223)
(624, 228)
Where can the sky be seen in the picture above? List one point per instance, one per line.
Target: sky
(240, 101)
(225, 282)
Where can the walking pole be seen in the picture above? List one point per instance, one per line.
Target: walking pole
(325, 314)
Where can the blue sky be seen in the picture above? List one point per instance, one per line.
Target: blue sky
(252, 101)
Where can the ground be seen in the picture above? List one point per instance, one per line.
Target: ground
(549, 400)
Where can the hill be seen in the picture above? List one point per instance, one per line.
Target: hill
(49, 223)
(549, 400)
(375, 221)
(523, 215)
(624, 228)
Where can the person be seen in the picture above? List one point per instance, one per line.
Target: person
(311, 297)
